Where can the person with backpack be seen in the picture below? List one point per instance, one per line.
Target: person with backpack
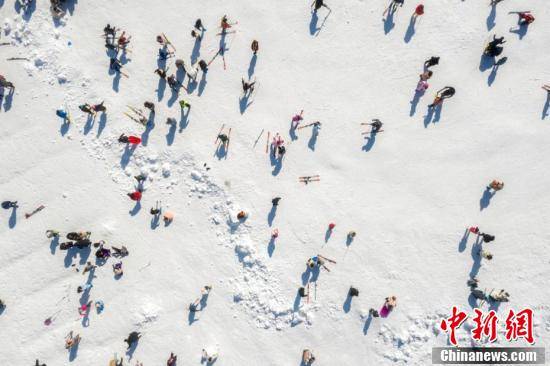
(318, 4)
(172, 360)
(418, 11)
(150, 106)
(390, 303)
(496, 185)
(307, 357)
(248, 87)
(135, 196)
(132, 338)
(255, 46)
(441, 95)
(432, 61)
(99, 108)
(494, 49)
(6, 205)
(353, 292)
(134, 140)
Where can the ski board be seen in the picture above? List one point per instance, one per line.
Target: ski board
(134, 119)
(267, 142)
(136, 111)
(308, 125)
(168, 41)
(5, 44)
(17, 59)
(369, 132)
(38, 209)
(228, 141)
(258, 139)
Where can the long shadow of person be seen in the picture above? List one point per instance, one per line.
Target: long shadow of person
(116, 80)
(491, 17)
(101, 124)
(252, 66)
(244, 102)
(496, 66)
(410, 30)
(196, 51)
(271, 215)
(476, 258)
(221, 151)
(54, 243)
(271, 247)
(347, 304)
(388, 21)
(128, 152)
(90, 120)
(521, 30)
(371, 139)
(161, 87)
(367, 324)
(313, 23)
(202, 84)
(414, 102)
(148, 128)
(297, 300)
(13, 218)
(135, 209)
(437, 113)
(171, 134)
(486, 198)
(546, 106)
(463, 241)
(8, 99)
(184, 119)
(313, 139)
(130, 351)
(73, 352)
(191, 317)
(64, 128)
(155, 221)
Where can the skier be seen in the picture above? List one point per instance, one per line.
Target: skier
(184, 104)
(203, 66)
(99, 108)
(275, 234)
(317, 4)
(6, 84)
(63, 114)
(99, 306)
(374, 313)
(277, 141)
(89, 267)
(150, 106)
(496, 185)
(390, 303)
(225, 25)
(418, 11)
(115, 65)
(353, 291)
(500, 296)
(525, 18)
(296, 119)
(432, 61)
(307, 357)
(487, 238)
(38, 363)
(210, 358)
(172, 360)
(135, 196)
(120, 252)
(103, 253)
(426, 75)
(86, 108)
(132, 338)
(223, 138)
(82, 235)
(161, 73)
(242, 216)
(109, 34)
(199, 26)
(71, 341)
(318, 261)
(485, 254)
(352, 234)
(156, 210)
(275, 201)
(376, 125)
(6, 205)
(446, 92)
(248, 87)
(86, 287)
(255, 46)
(140, 178)
(117, 269)
(302, 292)
(123, 41)
(134, 140)
(52, 233)
(494, 49)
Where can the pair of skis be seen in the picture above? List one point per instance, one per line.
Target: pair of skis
(141, 119)
(168, 43)
(308, 125)
(36, 210)
(369, 132)
(309, 178)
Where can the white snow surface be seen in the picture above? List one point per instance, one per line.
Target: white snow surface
(409, 195)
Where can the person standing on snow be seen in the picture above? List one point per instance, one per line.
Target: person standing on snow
(248, 87)
(132, 338)
(134, 140)
(172, 360)
(446, 92)
(418, 11)
(318, 4)
(432, 61)
(255, 46)
(496, 185)
(135, 196)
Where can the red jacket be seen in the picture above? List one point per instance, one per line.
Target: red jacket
(135, 196)
(134, 140)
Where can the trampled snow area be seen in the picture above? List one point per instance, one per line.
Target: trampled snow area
(409, 193)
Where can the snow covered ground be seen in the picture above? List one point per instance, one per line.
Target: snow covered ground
(409, 194)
